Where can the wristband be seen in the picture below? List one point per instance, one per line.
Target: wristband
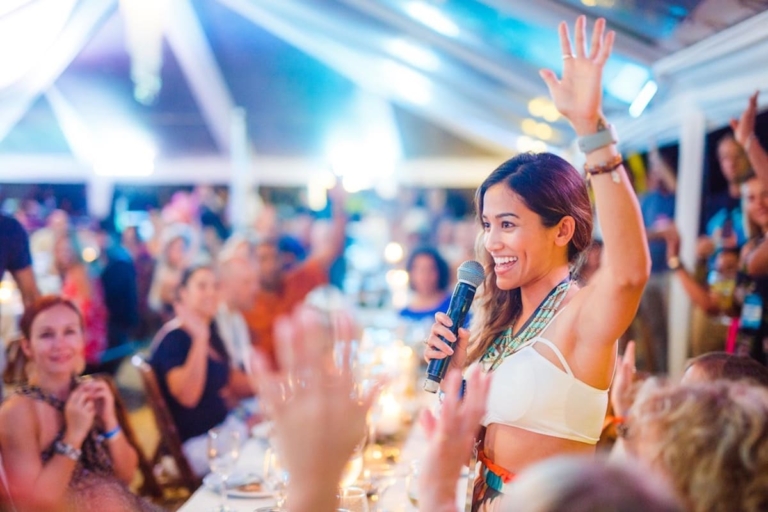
(605, 137)
(67, 450)
(112, 433)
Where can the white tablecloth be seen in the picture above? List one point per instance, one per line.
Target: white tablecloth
(394, 499)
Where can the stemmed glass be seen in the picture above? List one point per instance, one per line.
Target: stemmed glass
(276, 478)
(223, 452)
(353, 499)
(412, 484)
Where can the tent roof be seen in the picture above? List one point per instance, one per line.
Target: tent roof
(446, 77)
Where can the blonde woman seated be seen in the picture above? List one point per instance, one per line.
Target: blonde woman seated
(62, 445)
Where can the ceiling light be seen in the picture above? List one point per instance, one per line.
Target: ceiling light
(432, 17)
(413, 54)
(643, 98)
(627, 82)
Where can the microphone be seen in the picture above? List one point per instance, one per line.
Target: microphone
(470, 275)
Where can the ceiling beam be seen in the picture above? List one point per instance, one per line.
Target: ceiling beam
(190, 46)
(510, 72)
(87, 17)
(294, 22)
(549, 13)
(726, 42)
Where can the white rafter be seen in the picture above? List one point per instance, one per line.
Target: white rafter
(190, 46)
(86, 19)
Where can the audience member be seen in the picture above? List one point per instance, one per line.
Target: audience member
(173, 259)
(149, 321)
(15, 258)
(59, 434)
(723, 366)
(193, 368)
(710, 440)
(658, 208)
(281, 291)
(428, 278)
(85, 292)
(238, 285)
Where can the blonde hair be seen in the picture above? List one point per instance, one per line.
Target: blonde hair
(710, 438)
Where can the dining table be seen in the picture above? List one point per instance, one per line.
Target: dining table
(393, 497)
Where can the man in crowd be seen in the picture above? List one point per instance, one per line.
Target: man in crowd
(15, 258)
(282, 290)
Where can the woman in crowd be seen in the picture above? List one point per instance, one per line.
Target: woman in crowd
(59, 435)
(551, 346)
(170, 266)
(428, 277)
(85, 292)
(194, 371)
(710, 440)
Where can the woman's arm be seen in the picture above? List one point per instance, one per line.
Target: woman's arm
(755, 259)
(187, 382)
(125, 460)
(744, 133)
(615, 290)
(34, 485)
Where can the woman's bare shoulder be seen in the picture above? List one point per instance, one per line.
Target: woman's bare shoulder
(17, 417)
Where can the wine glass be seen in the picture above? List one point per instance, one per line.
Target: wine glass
(223, 452)
(412, 483)
(354, 466)
(276, 479)
(353, 499)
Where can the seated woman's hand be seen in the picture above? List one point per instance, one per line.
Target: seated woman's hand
(439, 349)
(79, 413)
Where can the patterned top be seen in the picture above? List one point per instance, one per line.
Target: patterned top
(508, 342)
(95, 458)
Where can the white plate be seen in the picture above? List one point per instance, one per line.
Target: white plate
(212, 483)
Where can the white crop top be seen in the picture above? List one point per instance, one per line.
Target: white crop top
(530, 392)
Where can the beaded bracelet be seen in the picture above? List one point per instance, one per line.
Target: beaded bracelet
(609, 167)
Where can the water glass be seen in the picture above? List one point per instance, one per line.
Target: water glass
(223, 452)
(353, 499)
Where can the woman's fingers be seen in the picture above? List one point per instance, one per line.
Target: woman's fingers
(580, 36)
(597, 38)
(606, 47)
(565, 41)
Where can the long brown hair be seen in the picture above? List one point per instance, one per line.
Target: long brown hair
(550, 187)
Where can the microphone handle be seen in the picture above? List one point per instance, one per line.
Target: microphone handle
(461, 300)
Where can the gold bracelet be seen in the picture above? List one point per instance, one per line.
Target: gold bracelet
(609, 167)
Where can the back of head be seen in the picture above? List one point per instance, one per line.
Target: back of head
(585, 484)
(721, 365)
(710, 438)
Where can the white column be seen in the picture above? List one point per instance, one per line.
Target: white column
(99, 192)
(241, 179)
(687, 212)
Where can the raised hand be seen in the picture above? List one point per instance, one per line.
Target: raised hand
(318, 415)
(192, 323)
(578, 93)
(79, 413)
(744, 128)
(451, 435)
(104, 400)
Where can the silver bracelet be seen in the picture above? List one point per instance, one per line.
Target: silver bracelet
(67, 450)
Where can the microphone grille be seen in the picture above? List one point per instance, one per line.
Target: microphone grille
(471, 272)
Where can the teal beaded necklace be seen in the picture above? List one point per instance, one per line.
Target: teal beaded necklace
(508, 343)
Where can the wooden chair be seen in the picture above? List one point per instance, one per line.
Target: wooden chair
(170, 442)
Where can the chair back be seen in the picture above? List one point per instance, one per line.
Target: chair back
(170, 442)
